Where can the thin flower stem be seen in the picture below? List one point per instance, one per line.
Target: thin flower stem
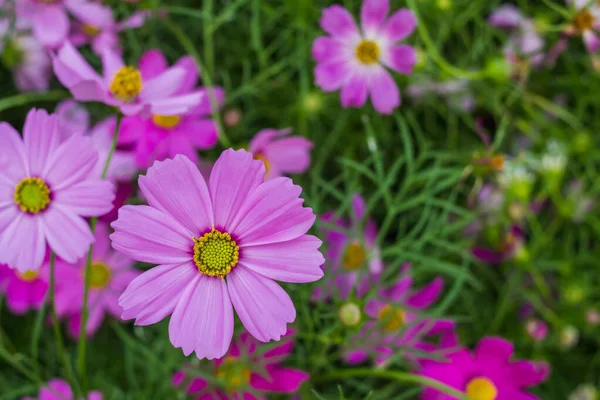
(209, 62)
(88, 266)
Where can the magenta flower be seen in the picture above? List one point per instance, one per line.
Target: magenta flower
(586, 23)
(281, 155)
(352, 253)
(355, 60)
(166, 135)
(110, 274)
(487, 374)
(23, 291)
(246, 371)
(124, 86)
(58, 389)
(46, 190)
(218, 244)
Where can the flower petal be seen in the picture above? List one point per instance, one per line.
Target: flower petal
(591, 41)
(41, 138)
(506, 16)
(400, 25)
(202, 133)
(384, 92)
(163, 85)
(372, 15)
(494, 349)
(176, 105)
(289, 155)
(355, 91)
(191, 74)
(332, 75)
(281, 380)
(203, 318)
(90, 198)
(111, 64)
(152, 63)
(68, 234)
(22, 243)
(71, 67)
(150, 235)
(426, 296)
(50, 25)
(326, 49)
(401, 58)
(177, 188)
(262, 305)
(528, 373)
(337, 21)
(72, 162)
(13, 158)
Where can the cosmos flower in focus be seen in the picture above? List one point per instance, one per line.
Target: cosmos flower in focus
(355, 60)
(58, 389)
(123, 85)
(281, 155)
(489, 373)
(166, 135)
(218, 245)
(248, 369)
(46, 190)
(23, 291)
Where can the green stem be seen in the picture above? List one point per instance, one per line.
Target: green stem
(26, 98)
(207, 36)
(394, 375)
(88, 266)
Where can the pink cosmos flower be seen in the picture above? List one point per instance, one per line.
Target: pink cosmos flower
(355, 60)
(281, 155)
(124, 86)
(218, 244)
(166, 135)
(23, 291)
(110, 273)
(49, 19)
(46, 190)
(586, 23)
(352, 253)
(248, 371)
(58, 389)
(488, 373)
(73, 117)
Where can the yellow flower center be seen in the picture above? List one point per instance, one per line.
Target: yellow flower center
(392, 318)
(260, 157)
(215, 253)
(91, 30)
(367, 52)
(99, 275)
(481, 389)
(584, 20)
(166, 121)
(28, 276)
(354, 257)
(32, 195)
(126, 84)
(234, 373)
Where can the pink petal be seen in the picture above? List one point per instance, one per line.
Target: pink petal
(70, 67)
(326, 49)
(203, 318)
(401, 58)
(50, 25)
(494, 349)
(150, 235)
(281, 380)
(297, 260)
(331, 76)
(56, 386)
(7, 216)
(22, 243)
(506, 16)
(234, 177)
(202, 133)
(384, 92)
(176, 105)
(591, 40)
(264, 138)
(91, 13)
(163, 85)
(70, 163)
(272, 213)
(153, 295)
(101, 241)
(179, 144)
(527, 373)
(211, 98)
(152, 63)
(337, 21)
(289, 155)
(191, 74)
(13, 159)
(88, 91)
(87, 198)
(372, 15)
(73, 117)
(111, 64)
(354, 92)
(136, 20)
(68, 234)
(177, 188)
(262, 305)
(426, 296)
(41, 138)
(17, 296)
(400, 25)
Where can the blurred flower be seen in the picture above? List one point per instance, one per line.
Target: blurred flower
(488, 373)
(353, 259)
(23, 291)
(313, 102)
(517, 179)
(536, 329)
(232, 117)
(281, 155)
(58, 389)
(355, 60)
(569, 337)
(73, 118)
(579, 203)
(586, 23)
(166, 135)
(584, 392)
(218, 245)
(246, 371)
(135, 91)
(47, 189)
(350, 314)
(592, 316)
(110, 273)
(456, 92)
(553, 162)
(504, 246)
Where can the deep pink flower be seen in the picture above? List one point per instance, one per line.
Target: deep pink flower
(58, 389)
(166, 135)
(46, 190)
(246, 371)
(488, 373)
(111, 272)
(124, 86)
(281, 155)
(355, 60)
(23, 291)
(218, 244)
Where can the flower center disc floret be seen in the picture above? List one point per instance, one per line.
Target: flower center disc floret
(32, 195)
(166, 121)
(367, 52)
(126, 84)
(216, 253)
(481, 389)
(584, 20)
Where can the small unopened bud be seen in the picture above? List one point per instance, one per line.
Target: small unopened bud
(232, 117)
(537, 329)
(350, 314)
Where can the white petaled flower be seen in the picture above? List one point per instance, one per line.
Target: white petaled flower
(554, 160)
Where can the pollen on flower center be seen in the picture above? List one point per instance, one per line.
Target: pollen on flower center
(392, 318)
(126, 84)
(234, 373)
(166, 121)
(90, 30)
(367, 52)
(481, 389)
(99, 275)
(32, 195)
(354, 257)
(215, 253)
(28, 276)
(261, 157)
(584, 20)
